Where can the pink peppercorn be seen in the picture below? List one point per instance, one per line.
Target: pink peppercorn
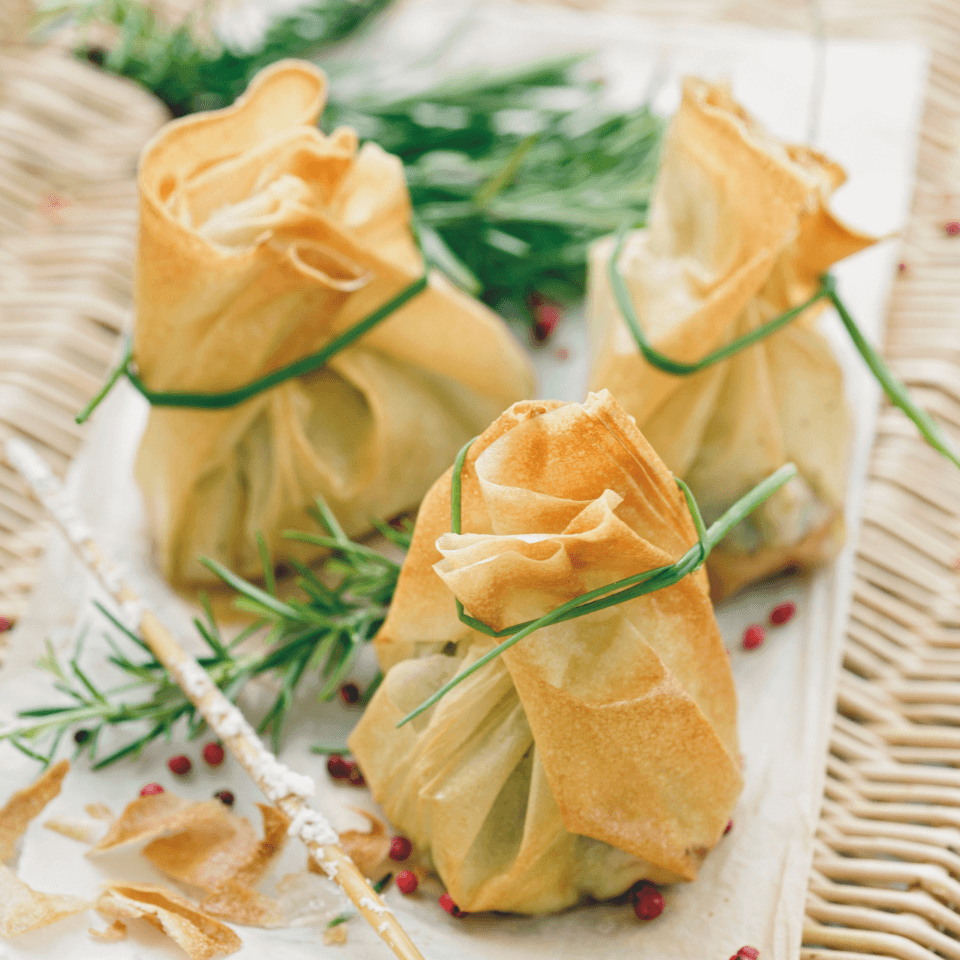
(151, 790)
(350, 694)
(355, 777)
(446, 901)
(400, 849)
(5, 624)
(782, 613)
(213, 754)
(952, 227)
(337, 767)
(728, 827)
(647, 901)
(547, 317)
(753, 637)
(225, 797)
(748, 953)
(407, 882)
(180, 765)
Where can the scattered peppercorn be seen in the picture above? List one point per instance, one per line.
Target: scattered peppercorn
(647, 901)
(902, 266)
(952, 227)
(225, 797)
(350, 694)
(337, 767)
(547, 317)
(180, 765)
(407, 882)
(80, 737)
(5, 625)
(728, 827)
(753, 637)
(400, 849)
(748, 953)
(355, 777)
(151, 790)
(446, 901)
(782, 613)
(213, 754)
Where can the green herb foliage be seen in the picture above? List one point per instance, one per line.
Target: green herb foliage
(189, 73)
(340, 608)
(512, 175)
(509, 184)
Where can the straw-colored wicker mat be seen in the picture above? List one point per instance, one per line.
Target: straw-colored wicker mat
(886, 876)
(886, 873)
(70, 137)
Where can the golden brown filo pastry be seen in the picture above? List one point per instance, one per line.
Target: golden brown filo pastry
(595, 752)
(740, 231)
(261, 240)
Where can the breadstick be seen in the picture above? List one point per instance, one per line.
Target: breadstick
(283, 787)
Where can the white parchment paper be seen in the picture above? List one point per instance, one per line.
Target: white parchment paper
(752, 887)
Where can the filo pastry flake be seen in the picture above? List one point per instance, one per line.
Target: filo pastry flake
(261, 241)
(594, 753)
(740, 232)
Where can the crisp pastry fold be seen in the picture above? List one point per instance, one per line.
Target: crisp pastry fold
(261, 240)
(594, 753)
(740, 231)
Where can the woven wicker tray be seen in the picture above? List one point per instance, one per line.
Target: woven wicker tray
(886, 875)
(70, 137)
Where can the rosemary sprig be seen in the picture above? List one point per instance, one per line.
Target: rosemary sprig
(320, 631)
(487, 190)
(184, 65)
(613, 593)
(507, 213)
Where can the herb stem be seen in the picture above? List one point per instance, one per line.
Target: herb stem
(629, 588)
(892, 386)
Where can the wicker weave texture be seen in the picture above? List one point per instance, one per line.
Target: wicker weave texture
(886, 875)
(70, 137)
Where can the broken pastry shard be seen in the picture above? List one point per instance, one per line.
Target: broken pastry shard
(23, 909)
(207, 846)
(594, 753)
(200, 936)
(234, 896)
(369, 850)
(115, 932)
(165, 813)
(24, 805)
(261, 240)
(740, 231)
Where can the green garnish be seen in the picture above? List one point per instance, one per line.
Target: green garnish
(320, 633)
(894, 389)
(231, 398)
(613, 593)
(340, 918)
(184, 66)
(486, 189)
(510, 215)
